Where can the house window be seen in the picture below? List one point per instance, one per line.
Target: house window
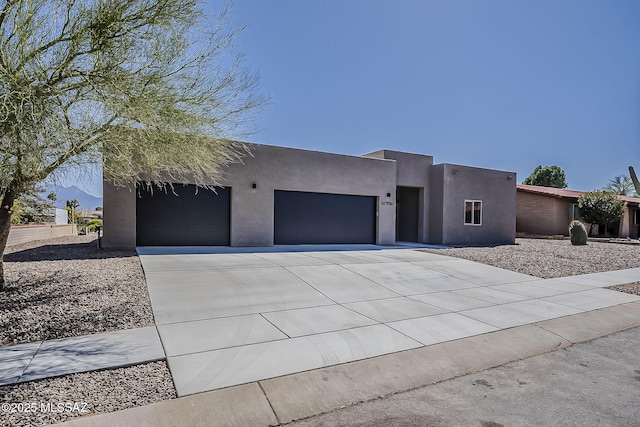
(575, 212)
(473, 212)
(636, 217)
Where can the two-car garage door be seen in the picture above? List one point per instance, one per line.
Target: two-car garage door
(203, 218)
(190, 217)
(320, 218)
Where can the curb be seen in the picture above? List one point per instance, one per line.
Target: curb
(291, 397)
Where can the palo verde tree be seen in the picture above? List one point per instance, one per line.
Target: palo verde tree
(153, 87)
(547, 176)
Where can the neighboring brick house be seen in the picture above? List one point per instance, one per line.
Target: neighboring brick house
(548, 211)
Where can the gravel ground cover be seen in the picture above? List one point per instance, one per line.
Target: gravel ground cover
(549, 258)
(55, 400)
(68, 287)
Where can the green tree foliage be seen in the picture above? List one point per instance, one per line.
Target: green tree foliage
(94, 224)
(35, 209)
(621, 185)
(16, 214)
(145, 85)
(73, 216)
(52, 197)
(547, 176)
(30, 207)
(600, 207)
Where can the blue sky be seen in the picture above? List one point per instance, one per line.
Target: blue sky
(495, 84)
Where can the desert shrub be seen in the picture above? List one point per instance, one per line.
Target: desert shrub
(578, 233)
(93, 224)
(600, 207)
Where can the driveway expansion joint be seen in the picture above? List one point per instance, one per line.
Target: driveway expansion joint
(268, 401)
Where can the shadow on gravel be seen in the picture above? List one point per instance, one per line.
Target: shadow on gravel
(45, 290)
(77, 251)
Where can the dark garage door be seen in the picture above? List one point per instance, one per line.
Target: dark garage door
(318, 218)
(185, 219)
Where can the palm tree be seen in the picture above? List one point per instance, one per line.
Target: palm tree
(72, 205)
(621, 185)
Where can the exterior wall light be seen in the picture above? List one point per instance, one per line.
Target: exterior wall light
(254, 185)
(388, 194)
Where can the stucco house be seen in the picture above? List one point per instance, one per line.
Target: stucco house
(284, 195)
(548, 211)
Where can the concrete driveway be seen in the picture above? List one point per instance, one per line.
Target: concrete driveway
(233, 318)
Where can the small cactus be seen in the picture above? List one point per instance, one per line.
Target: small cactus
(578, 233)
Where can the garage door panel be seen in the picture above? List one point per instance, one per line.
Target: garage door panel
(319, 218)
(186, 218)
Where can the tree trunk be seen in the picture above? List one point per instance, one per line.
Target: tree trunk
(6, 208)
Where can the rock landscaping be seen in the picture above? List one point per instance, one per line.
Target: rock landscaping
(549, 258)
(55, 400)
(68, 287)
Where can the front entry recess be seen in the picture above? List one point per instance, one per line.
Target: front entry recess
(407, 214)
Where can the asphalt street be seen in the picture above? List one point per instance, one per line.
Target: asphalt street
(595, 383)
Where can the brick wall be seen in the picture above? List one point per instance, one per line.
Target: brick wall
(27, 233)
(537, 214)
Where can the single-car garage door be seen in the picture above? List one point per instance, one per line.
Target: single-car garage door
(319, 218)
(186, 218)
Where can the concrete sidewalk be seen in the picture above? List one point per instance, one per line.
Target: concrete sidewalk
(281, 400)
(53, 358)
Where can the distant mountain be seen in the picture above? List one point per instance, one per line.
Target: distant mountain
(86, 200)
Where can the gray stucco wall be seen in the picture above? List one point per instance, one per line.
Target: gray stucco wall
(279, 168)
(436, 211)
(119, 216)
(413, 170)
(273, 168)
(496, 190)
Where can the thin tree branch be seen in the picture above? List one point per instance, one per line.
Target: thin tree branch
(75, 150)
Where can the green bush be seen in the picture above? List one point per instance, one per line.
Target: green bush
(600, 207)
(578, 233)
(93, 224)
